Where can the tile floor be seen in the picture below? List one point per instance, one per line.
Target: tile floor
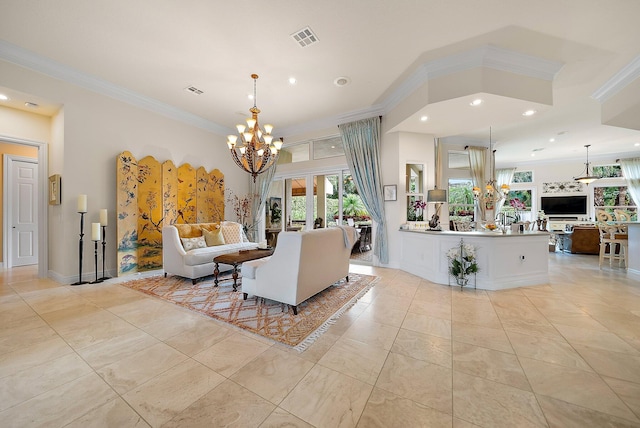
(408, 354)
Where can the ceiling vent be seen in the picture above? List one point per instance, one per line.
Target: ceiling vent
(305, 37)
(193, 90)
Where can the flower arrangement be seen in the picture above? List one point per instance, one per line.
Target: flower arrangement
(517, 206)
(462, 262)
(419, 205)
(417, 210)
(242, 209)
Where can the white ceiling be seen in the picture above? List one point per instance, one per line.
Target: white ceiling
(156, 48)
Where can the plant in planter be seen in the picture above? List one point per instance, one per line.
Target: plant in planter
(462, 262)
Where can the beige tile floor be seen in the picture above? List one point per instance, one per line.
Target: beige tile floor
(409, 354)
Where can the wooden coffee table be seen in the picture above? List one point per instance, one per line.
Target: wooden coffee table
(237, 259)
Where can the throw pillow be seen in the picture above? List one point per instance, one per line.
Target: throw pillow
(232, 232)
(214, 237)
(192, 243)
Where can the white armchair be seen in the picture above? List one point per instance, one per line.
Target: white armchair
(303, 264)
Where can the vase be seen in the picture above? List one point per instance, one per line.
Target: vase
(462, 280)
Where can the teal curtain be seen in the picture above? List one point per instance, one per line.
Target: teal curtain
(260, 191)
(361, 140)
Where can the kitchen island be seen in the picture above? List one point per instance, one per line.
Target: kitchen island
(504, 260)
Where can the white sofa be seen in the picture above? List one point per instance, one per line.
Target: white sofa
(198, 262)
(303, 264)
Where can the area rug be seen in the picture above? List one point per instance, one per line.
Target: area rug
(265, 317)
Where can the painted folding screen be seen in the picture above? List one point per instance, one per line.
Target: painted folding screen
(150, 195)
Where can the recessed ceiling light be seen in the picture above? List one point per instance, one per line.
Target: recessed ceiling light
(476, 102)
(31, 105)
(637, 144)
(529, 113)
(3, 97)
(250, 96)
(551, 140)
(292, 80)
(341, 81)
(424, 118)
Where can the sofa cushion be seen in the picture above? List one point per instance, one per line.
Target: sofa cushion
(201, 256)
(193, 230)
(213, 237)
(192, 243)
(232, 232)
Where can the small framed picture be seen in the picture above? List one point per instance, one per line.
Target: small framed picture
(390, 192)
(54, 189)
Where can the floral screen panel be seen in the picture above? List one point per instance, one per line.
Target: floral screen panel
(150, 195)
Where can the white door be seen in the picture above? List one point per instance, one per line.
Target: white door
(23, 248)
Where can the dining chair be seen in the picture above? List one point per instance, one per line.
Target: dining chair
(622, 215)
(613, 245)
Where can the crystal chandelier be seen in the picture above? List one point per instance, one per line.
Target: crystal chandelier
(491, 194)
(254, 153)
(587, 178)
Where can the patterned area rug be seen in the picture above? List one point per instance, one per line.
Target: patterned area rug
(265, 317)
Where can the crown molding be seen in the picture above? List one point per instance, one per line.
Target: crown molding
(334, 121)
(618, 81)
(27, 59)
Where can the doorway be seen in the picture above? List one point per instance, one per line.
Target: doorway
(42, 200)
(21, 178)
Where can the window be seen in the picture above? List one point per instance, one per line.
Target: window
(316, 149)
(611, 198)
(523, 177)
(414, 187)
(294, 153)
(514, 201)
(328, 148)
(607, 171)
(459, 160)
(460, 198)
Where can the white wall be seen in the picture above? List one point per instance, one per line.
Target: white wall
(88, 135)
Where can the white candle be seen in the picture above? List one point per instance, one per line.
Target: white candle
(95, 231)
(82, 203)
(103, 217)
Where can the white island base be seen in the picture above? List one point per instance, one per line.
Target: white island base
(504, 260)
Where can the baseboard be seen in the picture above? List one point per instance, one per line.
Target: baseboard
(86, 276)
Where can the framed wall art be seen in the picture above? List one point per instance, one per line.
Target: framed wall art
(390, 192)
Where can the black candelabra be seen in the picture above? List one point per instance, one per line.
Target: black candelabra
(104, 245)
(80, 247)
(95, 257)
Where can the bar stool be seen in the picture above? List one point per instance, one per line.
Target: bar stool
(622, 215)
(611, 240)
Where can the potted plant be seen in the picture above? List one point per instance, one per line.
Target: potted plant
(462, 262)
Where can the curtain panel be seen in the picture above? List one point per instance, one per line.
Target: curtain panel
(631, 172)
(361, 140)
(477, 164)
(260, 191)
(503, 176)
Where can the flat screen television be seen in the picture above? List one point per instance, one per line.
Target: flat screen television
(564, 205)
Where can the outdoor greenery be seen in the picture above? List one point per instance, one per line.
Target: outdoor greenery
(523, 177)
(606, 171)
(460, 198)
(352, 205)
